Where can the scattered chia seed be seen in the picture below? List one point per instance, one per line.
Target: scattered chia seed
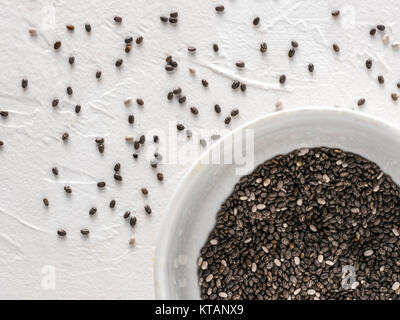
(204, 83)
(219, 8)
(368, 63)
(70, 27)
(182, 99)
(78, 108)
(118, 177)
(282, 79)
(139, 40)
(240, 64)
(180, 127)
(160, 176)
(24, 83)
(69, 91)
(145, 191)
(55, 171)
(294, 44)
(88, 27)
(263, 47)
(4, 114)
(85, 232)
(372, 31)
(117, 19)
(335, 13)
(227, 120)
(235, 84)
(380, 27)
(360, 102)
(61, 233)
(112, 204)
(156, 139)
(68, 189)
(65, 136)
(127, 214)
(290, 226)
(256, 21)
(234, 112)
(194, 110)
(164, 19)
(71, 60)
(140, 101)
(101, 184)
(92, 211)
(147, 209)
(217, 108)
(46, 202)
(381, 79)
(394, 96)
(54, 103)
(335, 47)
(57, 45)
(118, 63)
(291, 52)
(311, 67)
(98, 74)
(133, 221)
(192, 49)
(215, 47)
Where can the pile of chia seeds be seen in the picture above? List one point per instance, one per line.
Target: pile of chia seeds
(312, 224)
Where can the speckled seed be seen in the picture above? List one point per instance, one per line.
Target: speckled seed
(396, 286)
(85, 232)
(368, 253)
(214, 242)
(296, 261)
(132, 242)
(313, 228)
(253, 267)
(360, 102)
(396, 232)
(209, 277)
(277, 262)
(223, 295)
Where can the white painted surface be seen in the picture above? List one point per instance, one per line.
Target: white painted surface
(104, 266)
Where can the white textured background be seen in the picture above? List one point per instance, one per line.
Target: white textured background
(103, 265)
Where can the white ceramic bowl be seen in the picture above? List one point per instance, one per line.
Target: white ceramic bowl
(192, 210)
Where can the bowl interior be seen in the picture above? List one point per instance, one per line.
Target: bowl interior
(192, 211)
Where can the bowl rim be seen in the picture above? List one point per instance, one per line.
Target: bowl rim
(170, 217)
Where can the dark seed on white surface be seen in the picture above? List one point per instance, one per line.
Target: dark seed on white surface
(117, 19)
(360, 102)
(101, 184)
(147, 209)
(68, 189)
(55, 171)
(61, 233)
(92, 211)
